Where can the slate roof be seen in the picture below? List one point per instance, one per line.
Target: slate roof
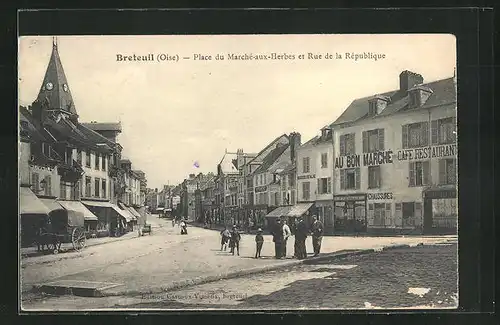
(59, 97)
(443, 93)
(94, 136)
(271, 158)
(30, 129)
(256, 158)
(227, 164)
(97, 126)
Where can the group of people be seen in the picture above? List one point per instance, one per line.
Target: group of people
(233, 237)
(281, 232)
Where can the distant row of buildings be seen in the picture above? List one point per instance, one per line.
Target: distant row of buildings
(388, 164)
(66, 165)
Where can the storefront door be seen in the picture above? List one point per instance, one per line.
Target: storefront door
(427, 216)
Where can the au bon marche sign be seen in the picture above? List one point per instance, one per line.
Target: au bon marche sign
(387, 157)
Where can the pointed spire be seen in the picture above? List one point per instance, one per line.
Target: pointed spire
(55, 89)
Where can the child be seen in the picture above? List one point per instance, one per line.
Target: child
(259, 239)
(235, 240)
(225, 238)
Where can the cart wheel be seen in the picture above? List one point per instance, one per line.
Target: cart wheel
(78, 239)
(55, 251)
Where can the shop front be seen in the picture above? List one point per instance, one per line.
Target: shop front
(440, 210)
(90, 218)
(33, 214)
(324, 211)
(350, 213)
(256, 215)
(380, 217)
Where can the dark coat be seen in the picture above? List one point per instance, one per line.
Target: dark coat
(278, 233)
(317, 229)
(301, 230)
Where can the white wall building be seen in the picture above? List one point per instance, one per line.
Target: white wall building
(396, 160)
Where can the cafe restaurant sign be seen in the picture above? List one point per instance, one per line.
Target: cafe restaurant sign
(427, 152)
(368, 159)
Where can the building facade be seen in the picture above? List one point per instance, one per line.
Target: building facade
(396, 160)
(315, 176)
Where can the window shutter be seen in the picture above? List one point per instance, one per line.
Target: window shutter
(418, 213)
(319, 186)
(404, 133)
(365, 141)
(381, 139)
(342, 145)
(329, 185)
(358, 178)
(342, 179)
(411, 175)
(388, 214)
(442, 171)
(426, 173)
(353, 143)
(35, 182)
(371, 214)
(398, 217)
(425, 133)
(48, 185)
(454, 128)
(378, 176)
(434, 132)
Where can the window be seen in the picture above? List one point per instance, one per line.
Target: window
(447, 171)
(277, 198)
(68, 156)
(97, 161)
(48, 185)
(373, 108)
(97, 187)
(379, 211)
(374, 177)
(103, 187)
(419, 173)
(414, 99)
(35, 182)
(415, 135)
(350, 179)
(306, 191)
(79, 156)
(62, 190)
(283, 182)
(324, 185)
(103, 160)
(76, 191)
(88, 186)
(46, 150)
(87, 160)
(306, 167)
(324, 160)
(373, 140)
(444, 131)
(347, 145)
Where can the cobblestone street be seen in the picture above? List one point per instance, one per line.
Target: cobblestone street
(147, 266)
(402, 278)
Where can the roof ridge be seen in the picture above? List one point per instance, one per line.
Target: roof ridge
(97, 134)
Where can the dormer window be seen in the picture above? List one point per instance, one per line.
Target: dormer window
(373, 108)
(414, 98)
(418, 95)
(378, 104)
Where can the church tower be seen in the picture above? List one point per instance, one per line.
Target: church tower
(54, 97)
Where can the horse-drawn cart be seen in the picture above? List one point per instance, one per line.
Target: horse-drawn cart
(63, 228)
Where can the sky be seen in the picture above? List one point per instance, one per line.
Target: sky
(178, 114)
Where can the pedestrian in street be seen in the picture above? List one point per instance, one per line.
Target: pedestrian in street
(259, 240)
(317, 235)
(183, 227)
(234, 242)
(300, 239)
(225, 234)
(286, 234)
(278, 238)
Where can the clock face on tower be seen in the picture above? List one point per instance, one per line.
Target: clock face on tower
(65, 87)
(49, 86)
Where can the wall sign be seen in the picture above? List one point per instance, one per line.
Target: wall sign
(427, 152)
(306, 176)
(380, 196)
(369, 159)
(355, 197)
(261, 189)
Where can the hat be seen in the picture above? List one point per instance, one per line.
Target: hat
(259, 230)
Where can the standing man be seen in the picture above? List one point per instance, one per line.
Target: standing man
(286, 234)
(300, 239)
(278, 238)
(234, 242)
(317, 235)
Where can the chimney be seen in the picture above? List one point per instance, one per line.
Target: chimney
(295, 143)
(408, 79)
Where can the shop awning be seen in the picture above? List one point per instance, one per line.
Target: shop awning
(29, 203)
(51, 204)
(79, 207)
(105, 204)
(299, 209)
(126, 210)
(279, 212)
(134, 212)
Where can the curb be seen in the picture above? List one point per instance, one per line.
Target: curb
(398, 247)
